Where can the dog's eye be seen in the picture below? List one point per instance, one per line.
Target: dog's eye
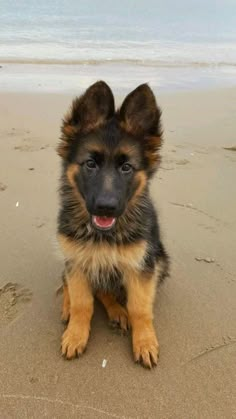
(91, 164)
(126, 168)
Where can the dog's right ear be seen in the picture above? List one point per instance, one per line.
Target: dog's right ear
(87, 113)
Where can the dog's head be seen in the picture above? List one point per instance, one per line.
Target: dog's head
(110, 155)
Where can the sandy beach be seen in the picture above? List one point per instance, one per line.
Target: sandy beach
(195, 310)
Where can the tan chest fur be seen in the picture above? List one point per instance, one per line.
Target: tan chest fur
(94, 257)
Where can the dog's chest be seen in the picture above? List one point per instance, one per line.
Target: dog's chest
(102, 261)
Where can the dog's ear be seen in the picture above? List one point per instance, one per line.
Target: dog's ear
(139, 113)
(140, 116)
(87, 112)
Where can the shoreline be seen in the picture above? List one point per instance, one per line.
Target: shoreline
(63, 78)
(158, 63)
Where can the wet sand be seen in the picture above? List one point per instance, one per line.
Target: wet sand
(195, 310)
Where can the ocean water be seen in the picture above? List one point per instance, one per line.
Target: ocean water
(58, 44)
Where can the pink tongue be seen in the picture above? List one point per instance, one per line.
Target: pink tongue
(103, 222)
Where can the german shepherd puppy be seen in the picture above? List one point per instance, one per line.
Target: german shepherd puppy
(107, 225)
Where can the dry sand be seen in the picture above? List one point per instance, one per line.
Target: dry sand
(195, 312)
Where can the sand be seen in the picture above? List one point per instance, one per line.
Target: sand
(195, 311)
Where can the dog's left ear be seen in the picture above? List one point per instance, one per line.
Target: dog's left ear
(139, 113)
(140, 116)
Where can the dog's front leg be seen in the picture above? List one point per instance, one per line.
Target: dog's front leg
(75, 338)
(141, 292)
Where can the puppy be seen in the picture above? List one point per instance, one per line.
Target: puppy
(107, 225)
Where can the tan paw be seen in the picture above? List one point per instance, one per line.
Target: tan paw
(118, 316)
(73, 342)
(146, 351)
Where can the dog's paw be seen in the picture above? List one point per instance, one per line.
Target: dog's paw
(73, 343)
(119, 317)
(146, 350)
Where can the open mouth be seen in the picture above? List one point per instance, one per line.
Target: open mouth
(103, 223)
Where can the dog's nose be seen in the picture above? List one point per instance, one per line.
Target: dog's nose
(106, 204)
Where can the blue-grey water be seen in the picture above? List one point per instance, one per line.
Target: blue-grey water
(168, 43)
